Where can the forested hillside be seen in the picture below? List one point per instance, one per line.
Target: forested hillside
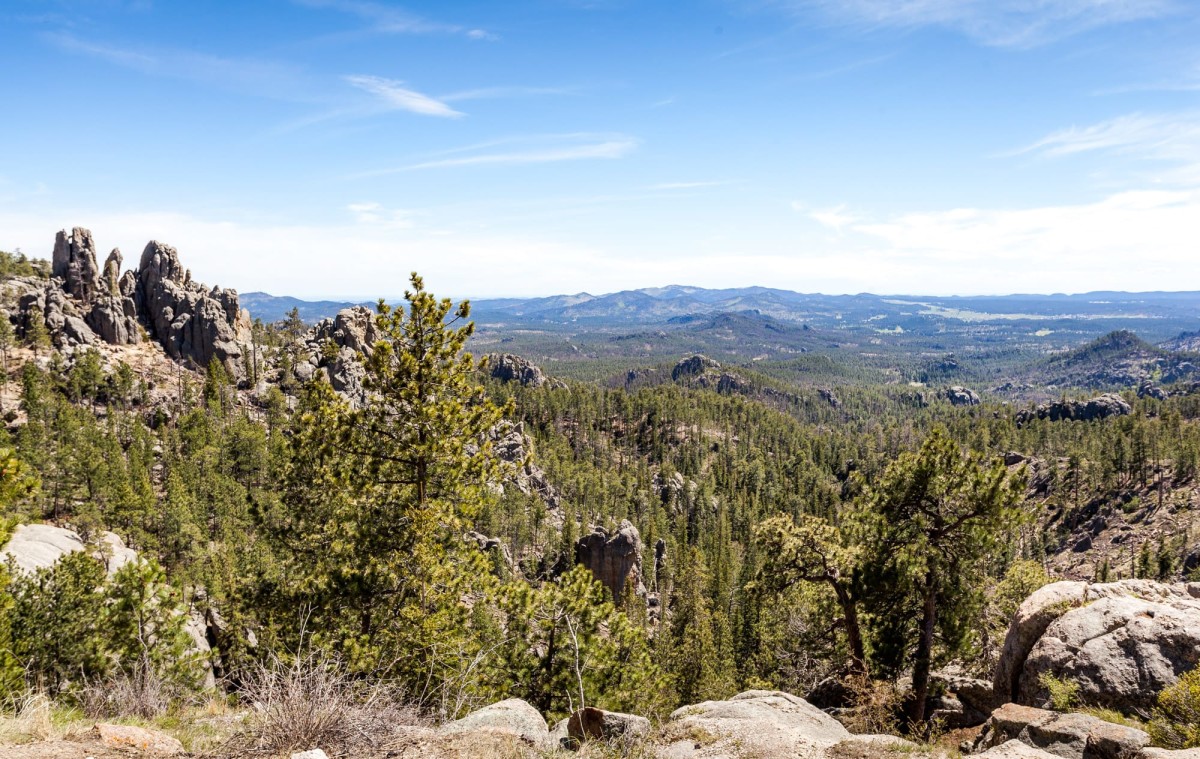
(187, 512)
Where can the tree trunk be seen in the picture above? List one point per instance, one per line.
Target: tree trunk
(921, 662)
(853, 630)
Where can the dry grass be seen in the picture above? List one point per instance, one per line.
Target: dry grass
(313, 702)
(142, 693)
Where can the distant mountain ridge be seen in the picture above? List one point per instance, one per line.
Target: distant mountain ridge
(1157, 316)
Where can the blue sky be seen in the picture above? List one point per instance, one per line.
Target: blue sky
(325, 148)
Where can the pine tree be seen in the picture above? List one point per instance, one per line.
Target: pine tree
(935, 518)
(379, 497)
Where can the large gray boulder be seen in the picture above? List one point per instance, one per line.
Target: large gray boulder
(1074, 736)
(39, 546)
(512, 717)
(592, 724)
(1122, 643)
(614, 559)
(754, 723)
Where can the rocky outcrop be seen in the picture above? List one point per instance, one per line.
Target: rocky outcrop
(337, 348)
(961, 396)
(1122, 643)
(513, 717)
(754, 723)
(1077, 736)
(693, 366)
(114, 312)
(191, 322)
(512, 447)
(74, 262)
(614, 559)
(1100, 407)
(509, 368)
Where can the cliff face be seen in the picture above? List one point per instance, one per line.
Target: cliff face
(83, 304)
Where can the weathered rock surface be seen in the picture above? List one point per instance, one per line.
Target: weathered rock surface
(337, 347)
(593, 724)
(38, 546)
(138, 739)
(614, 559)
(74, 261)
(961, 396)
(1100, 407)
(509, 368)
(693, 366)
(755, 723)
(1166, 753)
(114, 312)
(512, 446)
(512, 717)
(1014, 749)
(1121, 642)
(191, 322)
(1076, 736)
(315, 753)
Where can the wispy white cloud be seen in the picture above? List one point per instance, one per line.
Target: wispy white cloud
(490, 93)
(375, 214)
(390, 19)
(999, 23)
(264, 78)
(836, 217)
(398, 97)
(1160, 136)
(522, 150)
(685, 185)
(1168, 142)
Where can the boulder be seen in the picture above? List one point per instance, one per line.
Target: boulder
(977, 698)
(614, 559)
(591, 724)
(1122, 643)
(1166, 753)
(74, 261)
(314, 753)
(140, 739)
(490, 546)
(755, 723)
(1014, 749)
(1075, 736)
(38, 546)
(512, 717)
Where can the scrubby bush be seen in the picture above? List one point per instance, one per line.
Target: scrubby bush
(1176, 720)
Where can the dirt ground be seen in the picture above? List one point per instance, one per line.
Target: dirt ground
(62, 749)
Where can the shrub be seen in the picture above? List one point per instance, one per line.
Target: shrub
(313, 701)
(1176, 720)
(1064, 694)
